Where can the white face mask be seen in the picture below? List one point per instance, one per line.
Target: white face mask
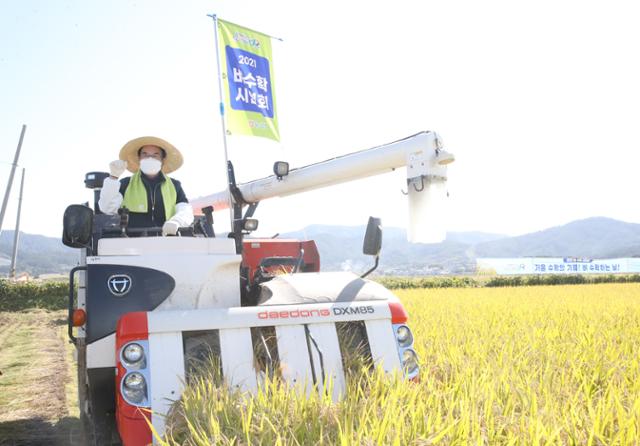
(150, 166)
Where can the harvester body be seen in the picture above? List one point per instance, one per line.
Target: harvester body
(179, 300)
(151, 311)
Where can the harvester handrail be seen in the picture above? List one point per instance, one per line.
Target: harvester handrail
(70, 307)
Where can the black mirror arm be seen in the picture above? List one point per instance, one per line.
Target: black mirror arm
(372, 269)
(80, 244)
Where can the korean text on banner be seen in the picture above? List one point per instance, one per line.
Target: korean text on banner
(249, 92)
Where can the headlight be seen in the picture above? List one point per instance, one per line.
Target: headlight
(404, 336)
(133, 353)
(134, 381)
(409, 361)
(134, 387)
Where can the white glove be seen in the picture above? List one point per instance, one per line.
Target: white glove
(116, 168)
(170, 228)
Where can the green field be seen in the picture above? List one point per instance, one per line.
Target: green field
(525, 366)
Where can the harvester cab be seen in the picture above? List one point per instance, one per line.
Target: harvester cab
(149, 309)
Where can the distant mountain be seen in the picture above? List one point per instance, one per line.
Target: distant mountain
(472, 238)
(341, 248)
(37, 254)
(596, 237)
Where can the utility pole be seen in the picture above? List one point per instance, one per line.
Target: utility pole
(16, 236)
(13, 171)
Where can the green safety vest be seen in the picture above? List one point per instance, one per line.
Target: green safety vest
(135, 197)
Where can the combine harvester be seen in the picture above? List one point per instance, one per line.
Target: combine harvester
(149, 308)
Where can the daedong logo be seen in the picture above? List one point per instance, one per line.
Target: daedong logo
(119, 284)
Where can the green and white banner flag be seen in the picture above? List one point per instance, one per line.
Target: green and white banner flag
(248, 84)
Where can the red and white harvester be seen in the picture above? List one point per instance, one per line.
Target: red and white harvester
(148, 308)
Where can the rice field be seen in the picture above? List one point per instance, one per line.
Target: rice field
(499, 366)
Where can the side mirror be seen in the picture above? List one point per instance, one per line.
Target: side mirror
(373, 237)
(77, 226)
(372, 242)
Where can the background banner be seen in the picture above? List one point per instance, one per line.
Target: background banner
(558, 265)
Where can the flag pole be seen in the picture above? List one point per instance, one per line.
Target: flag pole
(222, 111)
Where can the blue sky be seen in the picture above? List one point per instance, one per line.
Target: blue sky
(539, 101)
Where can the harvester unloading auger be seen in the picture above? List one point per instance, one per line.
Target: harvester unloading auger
(148, 307)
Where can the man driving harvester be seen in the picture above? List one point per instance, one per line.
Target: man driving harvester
(152, 198)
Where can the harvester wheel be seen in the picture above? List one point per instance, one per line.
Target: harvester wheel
(98, 430)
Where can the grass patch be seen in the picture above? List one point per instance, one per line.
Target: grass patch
(30, 359)
(35, 384)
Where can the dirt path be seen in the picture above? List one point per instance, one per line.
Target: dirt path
(37, 399)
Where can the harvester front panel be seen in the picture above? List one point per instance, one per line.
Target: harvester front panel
(309, 352)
